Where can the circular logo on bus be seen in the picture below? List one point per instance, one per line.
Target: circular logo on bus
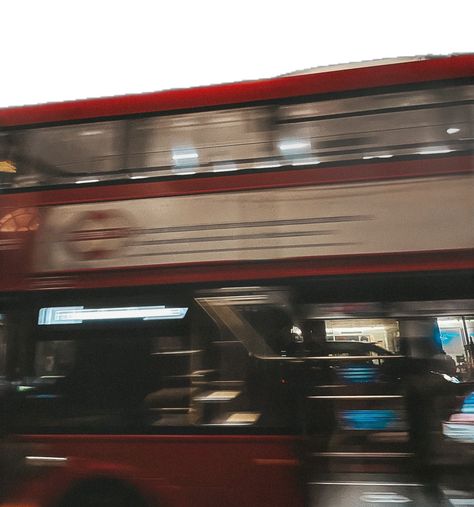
(96, 235)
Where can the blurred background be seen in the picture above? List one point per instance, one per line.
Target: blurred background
(54, 51)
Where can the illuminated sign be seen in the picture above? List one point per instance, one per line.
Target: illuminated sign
(79, 314)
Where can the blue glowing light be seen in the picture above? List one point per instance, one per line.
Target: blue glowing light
(368, 420)
(359, 374)
(448, 336)
(468, 406)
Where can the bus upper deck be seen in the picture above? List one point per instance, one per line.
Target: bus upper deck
(350, 171)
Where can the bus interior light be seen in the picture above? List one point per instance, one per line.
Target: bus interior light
(370, 157)
(95, 132)
(184, 157)
(434, 151)
(221, 168)
(294, 146)
(353, 330)
(268, 165)
(86, 181)
(453, 130)
(449, 322)
(309, 161)
(79, 314)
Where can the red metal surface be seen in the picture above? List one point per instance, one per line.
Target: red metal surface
(16, 246)
(254, 270)
(295, 86)
(176, 470)
(378, 171)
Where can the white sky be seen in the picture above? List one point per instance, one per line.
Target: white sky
(70, 49)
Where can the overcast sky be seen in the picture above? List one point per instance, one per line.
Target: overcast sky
(54, 51)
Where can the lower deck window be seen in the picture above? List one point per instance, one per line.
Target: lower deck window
(247, 359)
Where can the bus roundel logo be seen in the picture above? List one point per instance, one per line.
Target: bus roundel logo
(96, 235)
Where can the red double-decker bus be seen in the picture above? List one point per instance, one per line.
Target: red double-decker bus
(249, 294)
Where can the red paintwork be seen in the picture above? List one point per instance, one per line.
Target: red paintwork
(16, 250)
(176, 471)
(254, 270)
(420, 167)
(434, 69)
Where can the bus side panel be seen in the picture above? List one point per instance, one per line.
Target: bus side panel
(379, 217)
(181, 470)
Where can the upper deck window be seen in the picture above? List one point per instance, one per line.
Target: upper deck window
(417, 123)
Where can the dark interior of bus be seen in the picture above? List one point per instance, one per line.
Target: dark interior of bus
(205, 359)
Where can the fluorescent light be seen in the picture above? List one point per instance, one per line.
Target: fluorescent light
(221, 168)
(355, 330)
(242, 418)
(312, 161)
(78, 314)
(453, 130)
(138, 177)
(434, 151)
(218, 396)
(91, 132)
(370, 157)
(53, 459)
(294, 146)
(270, 165)
(449, 322)
(86, 181)
(22, 389)
(186, 160)
(184, 157)
(127, 313)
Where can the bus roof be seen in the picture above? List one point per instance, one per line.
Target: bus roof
(303, 84)
(358, 65)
